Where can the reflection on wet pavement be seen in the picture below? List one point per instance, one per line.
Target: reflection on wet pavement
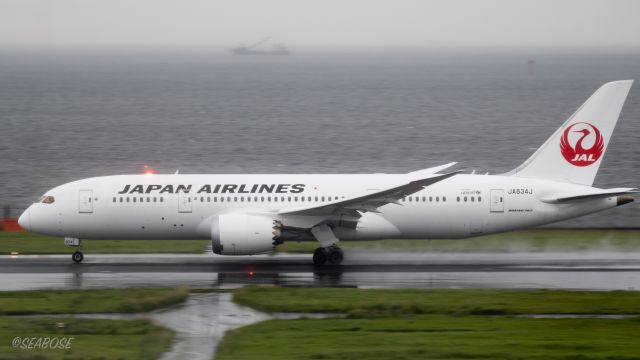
(580, 270)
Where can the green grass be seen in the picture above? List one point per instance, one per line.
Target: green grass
(436, 324)
(359, 302)
(435, 337)
(92, 338)
(89, 301)
(29, 243)
(536, 240)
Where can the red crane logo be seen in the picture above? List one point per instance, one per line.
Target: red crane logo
(576, 154)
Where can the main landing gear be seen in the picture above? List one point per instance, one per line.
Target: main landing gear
(332, 254)
(328, 250)
(77, 255)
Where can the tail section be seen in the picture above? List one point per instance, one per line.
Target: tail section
(574, 152)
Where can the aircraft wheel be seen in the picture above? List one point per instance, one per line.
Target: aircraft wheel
(335, 256)
(77, 257)
(320, 256)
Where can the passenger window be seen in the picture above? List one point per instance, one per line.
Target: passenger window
(472, 199)
(437, 198)
(127, 199)
(479, 198)
(458, 198)
(221, 199)
(114, 199)
(161, 199)
(430, 198)
(444, 198)
(465, 199)
(134, 199)
(154, 199)
(289, 199)
(262, 199)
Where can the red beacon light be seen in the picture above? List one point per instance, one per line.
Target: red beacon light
(148, 170)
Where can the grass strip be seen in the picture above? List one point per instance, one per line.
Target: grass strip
(30, 243)
(384, 302)
(89, 301)
(92, 338)
(536, 240)
(434, 337)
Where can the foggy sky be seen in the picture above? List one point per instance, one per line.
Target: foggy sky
(323, 23)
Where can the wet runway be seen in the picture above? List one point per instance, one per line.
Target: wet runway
(588, 270)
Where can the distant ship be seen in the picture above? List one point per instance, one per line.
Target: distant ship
(274, 49)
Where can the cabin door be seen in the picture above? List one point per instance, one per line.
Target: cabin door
(497, 200)
(85, 201)
(185, 204)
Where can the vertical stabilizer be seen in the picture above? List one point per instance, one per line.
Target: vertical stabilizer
(574, 152)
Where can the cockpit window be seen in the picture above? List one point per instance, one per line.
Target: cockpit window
(47, 199)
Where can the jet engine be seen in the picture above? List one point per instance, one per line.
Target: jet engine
(244, 234)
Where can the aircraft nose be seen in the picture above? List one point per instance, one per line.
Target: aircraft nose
(25, 219)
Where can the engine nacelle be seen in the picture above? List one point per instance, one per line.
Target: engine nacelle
(243, 234)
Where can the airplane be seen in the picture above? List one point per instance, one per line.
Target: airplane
(246, 214)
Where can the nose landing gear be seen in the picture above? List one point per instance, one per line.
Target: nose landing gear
(77, 255)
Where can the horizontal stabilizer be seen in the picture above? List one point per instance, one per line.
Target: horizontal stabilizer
(600, 194)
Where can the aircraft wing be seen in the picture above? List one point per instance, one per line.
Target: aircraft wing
(416, 181)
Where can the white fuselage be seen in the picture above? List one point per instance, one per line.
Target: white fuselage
(183, 206)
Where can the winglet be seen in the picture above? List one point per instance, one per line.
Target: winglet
(430, 171)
